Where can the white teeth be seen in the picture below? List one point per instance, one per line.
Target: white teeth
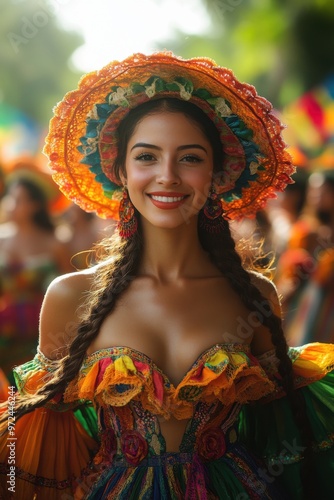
(167, 199)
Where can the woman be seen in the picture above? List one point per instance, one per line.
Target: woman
(30, 258)
(168, 338)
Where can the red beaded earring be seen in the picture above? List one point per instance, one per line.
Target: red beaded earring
(212, 214)
(127, 225)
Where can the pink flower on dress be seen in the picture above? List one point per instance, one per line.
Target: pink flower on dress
(211, 444)
(134, 447)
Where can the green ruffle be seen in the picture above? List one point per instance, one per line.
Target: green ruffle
(271, 432)
(87, 417)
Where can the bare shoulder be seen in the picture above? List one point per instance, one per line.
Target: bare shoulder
(262, 341)
(268, 290)
(72, 283)
(60, 312)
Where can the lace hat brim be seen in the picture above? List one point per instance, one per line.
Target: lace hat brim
(82, 140)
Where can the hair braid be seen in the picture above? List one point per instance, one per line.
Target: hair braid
(222, 250)
(116, 276)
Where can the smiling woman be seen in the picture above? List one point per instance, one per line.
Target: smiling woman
(171, 377)
(173, 172)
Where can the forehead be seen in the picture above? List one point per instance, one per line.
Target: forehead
(165, 125)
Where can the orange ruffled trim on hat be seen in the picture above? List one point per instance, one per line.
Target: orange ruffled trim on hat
(68, 126)
(115, 376)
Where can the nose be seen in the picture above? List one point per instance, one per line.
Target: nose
(168, 173)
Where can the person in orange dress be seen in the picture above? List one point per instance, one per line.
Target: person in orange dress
(31, 256)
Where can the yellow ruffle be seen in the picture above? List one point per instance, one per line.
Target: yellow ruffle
(313, 361)
(116, 376)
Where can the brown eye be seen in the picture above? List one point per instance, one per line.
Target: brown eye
(145, 157)
(191, 159)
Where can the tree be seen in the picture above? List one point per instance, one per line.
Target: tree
(283, 47)
(34, 55)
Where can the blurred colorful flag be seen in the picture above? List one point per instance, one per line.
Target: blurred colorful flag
(19, 134)
(310, 125)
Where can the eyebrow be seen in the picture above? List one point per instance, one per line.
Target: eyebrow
(180, 148)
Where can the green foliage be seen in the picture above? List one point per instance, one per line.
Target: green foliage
(34, 55)
(282, 47)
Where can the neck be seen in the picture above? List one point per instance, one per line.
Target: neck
(172, 254)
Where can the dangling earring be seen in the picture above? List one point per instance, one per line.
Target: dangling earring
(127, 225)
(211, 216)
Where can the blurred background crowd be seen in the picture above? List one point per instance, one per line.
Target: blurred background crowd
(284, 48)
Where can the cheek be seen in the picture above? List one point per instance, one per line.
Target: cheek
(136, 182)
(137, 179)
(201, 184)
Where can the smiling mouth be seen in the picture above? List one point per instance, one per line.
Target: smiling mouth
(167, 199)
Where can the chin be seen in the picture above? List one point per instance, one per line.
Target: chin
(171, 224)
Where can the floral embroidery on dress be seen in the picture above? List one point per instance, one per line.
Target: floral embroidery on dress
(211, 444)
(134, 447)
(132, 454)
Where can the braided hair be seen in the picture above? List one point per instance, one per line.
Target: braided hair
(117, 272)
(222, 250)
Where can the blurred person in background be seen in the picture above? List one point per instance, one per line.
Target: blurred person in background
(271, 228)
(286, 210)
(81, 231)
(305, 271)
(30, 258)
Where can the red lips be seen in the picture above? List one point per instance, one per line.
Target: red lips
(167, 200)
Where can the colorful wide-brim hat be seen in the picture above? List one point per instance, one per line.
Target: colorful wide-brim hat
(82, 140)
(33, 169)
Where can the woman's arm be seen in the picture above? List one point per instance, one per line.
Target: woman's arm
(60, 312)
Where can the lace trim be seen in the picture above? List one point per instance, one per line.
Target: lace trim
(119, 350)
(34, 374)
(116, 376)
(37, 480)
(47, 363)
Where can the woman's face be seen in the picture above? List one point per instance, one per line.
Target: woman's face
(169, 164)
(19, 205)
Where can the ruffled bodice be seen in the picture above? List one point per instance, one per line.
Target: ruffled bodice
(228, 373)
(130, 396)
(225, 372)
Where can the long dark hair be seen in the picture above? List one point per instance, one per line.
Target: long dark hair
(114, 276)
(41, 217)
